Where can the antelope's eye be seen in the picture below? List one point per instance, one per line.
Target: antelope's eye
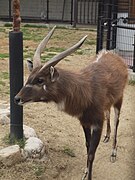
(40, 81)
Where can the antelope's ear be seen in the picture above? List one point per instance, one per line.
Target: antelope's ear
(29, 65)
(54, 74)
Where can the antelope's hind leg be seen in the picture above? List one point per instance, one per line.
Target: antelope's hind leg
(108, 130)
(117, 108)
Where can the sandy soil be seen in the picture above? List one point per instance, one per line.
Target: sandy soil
(65, 157)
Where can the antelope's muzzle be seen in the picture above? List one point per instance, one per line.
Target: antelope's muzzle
(17, 100)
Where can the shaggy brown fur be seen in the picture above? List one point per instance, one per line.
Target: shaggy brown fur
(87, 94)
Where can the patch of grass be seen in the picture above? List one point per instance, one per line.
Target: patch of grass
(50, 52)
(2, 83)
(8, 25)
(5, 55)
(4, 75)
(47, 57)
(68, 151)
(20, 142)
(79, 52)
(38, 170)
(54, 49)
(32, 34)
(34, 26)
(42, 26)
(131, 82)
(90, 42)
(2, 30)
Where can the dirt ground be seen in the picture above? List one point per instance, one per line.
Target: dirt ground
(63, 137)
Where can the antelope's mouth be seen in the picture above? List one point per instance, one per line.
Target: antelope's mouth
(20, 101)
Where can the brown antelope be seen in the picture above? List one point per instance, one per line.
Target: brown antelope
(87, 94)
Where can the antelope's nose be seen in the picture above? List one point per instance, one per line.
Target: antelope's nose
(17, 99)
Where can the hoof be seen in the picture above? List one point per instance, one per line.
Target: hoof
(85, 174)
(113, 158)
(106, 139)
(113, 155)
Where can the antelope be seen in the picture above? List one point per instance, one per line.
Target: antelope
(88, 94)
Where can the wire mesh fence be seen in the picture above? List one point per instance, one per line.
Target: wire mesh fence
(116, 28)
(67, 11)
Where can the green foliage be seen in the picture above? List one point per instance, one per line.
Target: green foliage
(8, 25)
(91, 42)
(34, 26)
(68, 151)
(20, 142)
(2, 83)
(39, 170)
(5, 55)
(54, 49)
(4, 75)
(4, 79)
(79, 52)
(131, 82)
(2, 29)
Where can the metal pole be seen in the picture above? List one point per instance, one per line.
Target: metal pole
(16, 73)
(63, 11)
(47, 10)
(75, 12)
(114, 29)
(109, 26)
(134, 56)
(100, 27)
(71, 12)
(9, 6)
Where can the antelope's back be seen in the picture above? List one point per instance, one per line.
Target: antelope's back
(114, 67)
(109, 77)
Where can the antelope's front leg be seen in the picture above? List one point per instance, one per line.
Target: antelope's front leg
(95, 138)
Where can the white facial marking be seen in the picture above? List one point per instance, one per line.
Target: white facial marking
(61, 106)
(44, 87)
(28, 85)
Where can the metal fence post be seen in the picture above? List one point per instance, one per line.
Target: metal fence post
(9, 6)
(100, 27)
(134, 56)
(16, 73)
(75, 13)
(109, 26)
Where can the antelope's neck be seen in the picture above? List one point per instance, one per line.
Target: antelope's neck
(75, 94)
